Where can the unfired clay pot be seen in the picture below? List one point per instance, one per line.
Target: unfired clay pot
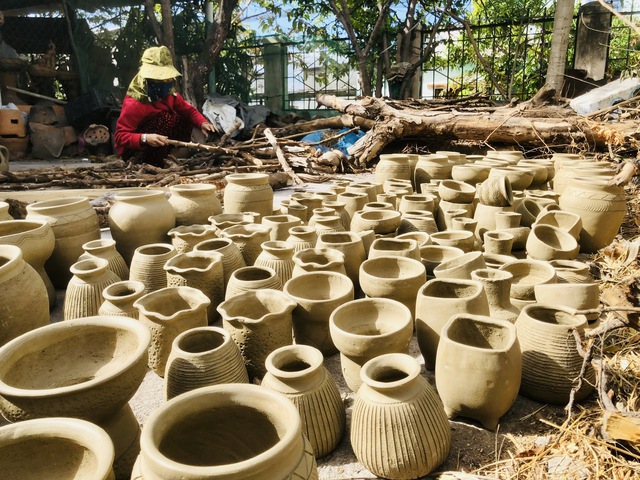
(526, 275)
(296, 371)
(497, 286)
(381, 222)
(248, 192)
(436, 302)
(4, 212)
(185, 237)
(417, 202)
(417, 221)
(566, 221)
(302, 237)
(498, 242)
(353, 202)
(495, 191)
(232, 258)
(460, 266)
(462, 239)
(363, 329)
(226, 220)
(280, 225)
(571, 271)
(351, 245)
(394, 247)
(194, 203)
(252, 278)
(147, 265)
(226, 432)
(83, 296)
(201, 357)
(277, 255)
(478, 368)
(313, 260)
(32, 449)
(546, 242)
(431, 167)
(579, 296)
(433, 255)
(106, 249)
(259, 321)
(455, 191)
(119, 298)
(249, 239)
(399, 429)
(395, 165)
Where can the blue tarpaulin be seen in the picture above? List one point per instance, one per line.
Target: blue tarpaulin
(342, 144)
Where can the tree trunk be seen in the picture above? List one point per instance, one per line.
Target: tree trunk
(562, 22)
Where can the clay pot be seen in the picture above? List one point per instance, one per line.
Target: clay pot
(512, 156)
(388, 198)
(197, 435)
(201, 357)
(399, 429)
(508, 222)
(494, 261)
(461, 239)
(308, 199)
(259, 321)
(106, 249)
(95, 387)
(551, 243)
(433, 255)
(571, 271)
(186, 237)
(529, 209)
(252, 278)
(319, 213)
(296, 371)
(453, 157)
(378, 206)
(436, 302)
(371, 189)
(226, 220)
(486, 215)
(417, 221)
(317, 295)
(450, 215)
(25, 303)
(394, 277)
(314, 260)
(36, 240)
(579, 296)
(396, 247)
(147, 265)
(495, 191)
(290, 207)
(248, 192)
(518, 177)
(460, 266)
(422, 238)
(478, 368)
(84, 291)
(280, 225)
(601, 207)
(353, 202)
(4, 212)
(340, 209)
(393, 166)
(74, 223)
(497, 287)
(470, 173)
(455, 191)
(194, 203)
(232, 258)
(565, 221)
(431, 167)
(302, 238)
(167, 313)
(551, 363)
(446, 207)
(140, 217)
(363, 329)
(498, 242)
(249, 239)
(526, 275)
(351, 245)
(326, 196)
(417, 202)
(202, 271)
(382, 222)
(279, 257)
(328, 224)
(119, 298)
(30, 449)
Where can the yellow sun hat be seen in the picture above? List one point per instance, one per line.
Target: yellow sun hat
(157, 64)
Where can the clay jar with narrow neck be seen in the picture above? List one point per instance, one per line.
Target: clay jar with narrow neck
(84, 292)
(140, 217)
(184, 238)
(194, 203)
(365, 328)
(167, 313)
(74, 222)
(478, 368)
(317, 295)
(248, 192)
(399, 429)
(119, 298)
(259, 321)
(106, 249)
(296, 371)
(25, 303)
(497, 286)
(437, 301)
(36, 240)
(196, 436)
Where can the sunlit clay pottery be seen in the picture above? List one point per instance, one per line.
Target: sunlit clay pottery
(433, 255)
(232, 258)
(546, 242)
(313, 260)
(460, 266)
(252, 278)
(83, 296)
(119, 298)
(248, 192)
(248, 238)
(394, 247)
(194, 203)
(106, 248)
(185, 237)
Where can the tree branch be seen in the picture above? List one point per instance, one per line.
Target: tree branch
(149, 8)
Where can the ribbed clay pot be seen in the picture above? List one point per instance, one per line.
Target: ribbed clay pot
(436, 302)
(571, 271)
(106, 249)
(25, 303)
(497, 286)
(252, 278)
(317, 295)
(296, 371)
(259, 321)
(460, 266)
(83, 296)
(140, 217)
(352, 246)
(147, 265)
(249, 239)
(313, 260)
(302, 237)
(202, 271)
(201, 357)
(31, 449)
(232, 258)
(393, 277)
(248, 192)
(579, 296)
(36, 240)
(394, 247)
(185, 237)
(546, 242)
(230, 432)
(95, 387)
(478, 368)
(278, 256)
(433, 255)
(74, 222)
(551, 364)
(280, 225)
(363, 329)
(167, 313)
(399, 429)
(417, 221)
(194, 203)
(394, 165)
(119, 298)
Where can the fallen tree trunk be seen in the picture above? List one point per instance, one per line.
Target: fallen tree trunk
(546, 126)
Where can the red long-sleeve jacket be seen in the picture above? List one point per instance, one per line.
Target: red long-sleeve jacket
(127, 136)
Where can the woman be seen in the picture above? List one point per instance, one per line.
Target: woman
(153, 112)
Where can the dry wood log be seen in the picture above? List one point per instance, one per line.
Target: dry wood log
(283, 160)
(546, 126)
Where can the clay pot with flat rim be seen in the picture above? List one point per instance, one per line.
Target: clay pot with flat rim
(194, 203)
(526, 275)
(478, 368)
(462, 239)
(566, 221)
(571, 271)
(248, 192)
(417, 221)
(232, 258)
(119, 298)
(455, 191)
(460, 266)
(546, 242)
(579, 296)
(380, 221)
(433, 255)
(147, 265)
(252, 278)
(394, 247)
(352, 246)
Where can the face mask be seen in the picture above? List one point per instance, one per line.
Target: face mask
(158, 90)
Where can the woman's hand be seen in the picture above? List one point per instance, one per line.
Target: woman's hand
(625, 174)
(155, 140)
(207, 128)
